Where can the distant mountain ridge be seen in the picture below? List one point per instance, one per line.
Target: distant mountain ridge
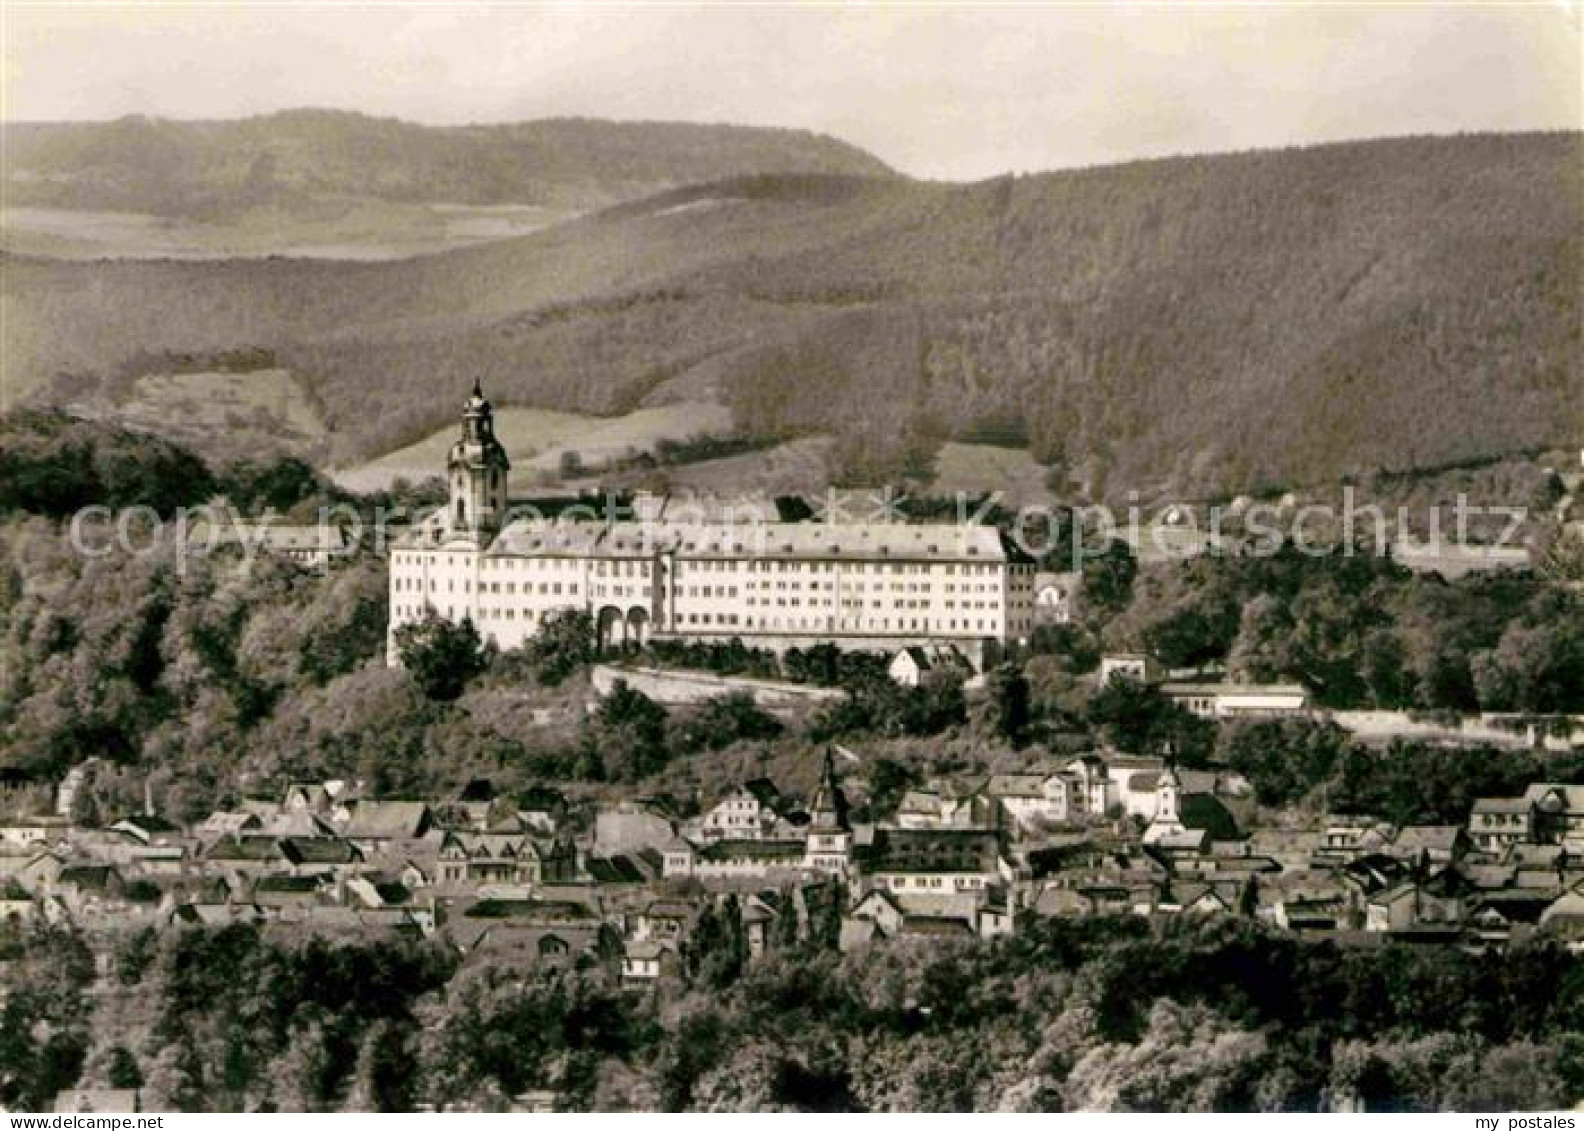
(1196, 324)
(208, 168)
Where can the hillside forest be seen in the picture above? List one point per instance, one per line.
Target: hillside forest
(1198, 325)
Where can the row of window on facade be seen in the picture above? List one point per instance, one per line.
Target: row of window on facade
(546, 588)
(619, 567)
(882, 624)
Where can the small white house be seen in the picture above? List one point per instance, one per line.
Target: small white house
(910, 665)
(1138, 666)
(646, 962)
(1055, 597)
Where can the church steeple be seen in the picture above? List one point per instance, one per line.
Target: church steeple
(1168, 795)
(476, 469)
(829, 810)
(828, 843)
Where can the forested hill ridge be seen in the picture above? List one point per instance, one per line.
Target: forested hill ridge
(1192, 325)
(191, 169)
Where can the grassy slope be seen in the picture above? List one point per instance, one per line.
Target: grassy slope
(305, 160)
(332, 185)
(536, 438)
(1199, 323)
(225, 415)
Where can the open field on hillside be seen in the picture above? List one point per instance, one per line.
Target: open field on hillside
(986, 468)
(224, 416)
(536, 440)
(362, 230)
(796, 467)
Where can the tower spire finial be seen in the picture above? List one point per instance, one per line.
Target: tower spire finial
(478, 390)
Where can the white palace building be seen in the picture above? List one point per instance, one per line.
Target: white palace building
(772, 584)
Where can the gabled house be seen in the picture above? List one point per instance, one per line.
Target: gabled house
(1374, 873)
(1498, 823)
(947, 805)
(1558, 813)
(1032, 801)
(1504, 918)
(650, 963)
(90, 887)
(146, 828)
(244, 855)
(1436, 901)
(677, 858)
(215, 914)
(1430, 845)
(880, 908)
(1392, 909)
(910, 666)
(299, 823)
(478, 858)
(750, 812)
(1563, 919)
(759, 912)
(666, 920)
(310, 797)
(1346, 838)
(1091, 790)
(1189, 898)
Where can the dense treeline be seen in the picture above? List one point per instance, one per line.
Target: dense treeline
(1361, 631)
(1316, 762)
(55, 464)
(191, 670)
(1121, 1014)
(1129, 322)
(165, 659)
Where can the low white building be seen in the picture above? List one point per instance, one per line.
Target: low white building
(1238, 700)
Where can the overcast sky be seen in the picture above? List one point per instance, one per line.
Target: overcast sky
(952, 92)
